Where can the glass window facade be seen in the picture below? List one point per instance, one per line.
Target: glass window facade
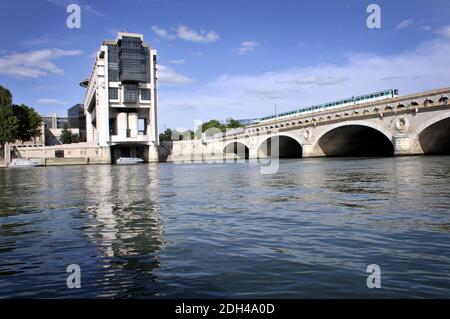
(145, 94)
(113, 93)
(130, 93)
(61, 121)
(133, 60)
(113, 63)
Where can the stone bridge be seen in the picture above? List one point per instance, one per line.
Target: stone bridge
(404, 125)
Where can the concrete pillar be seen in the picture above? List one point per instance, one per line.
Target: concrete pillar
(402, 146)
(105, 154)
(310, 150)
(407, 146)
(153, 155)
(122, 125)
(133, 124)
(89, 129)
(102, 113)
(253, 153)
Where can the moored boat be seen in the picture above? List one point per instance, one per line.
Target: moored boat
(20, 162)
(129, 161)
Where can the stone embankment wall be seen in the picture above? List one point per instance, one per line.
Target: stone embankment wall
(69, 154)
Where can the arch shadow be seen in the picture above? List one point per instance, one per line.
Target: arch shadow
(350, 140)
(240, 150)
(281, 146)
(435, 138)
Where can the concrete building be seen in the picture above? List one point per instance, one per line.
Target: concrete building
(54, 126)
(121, 99)
(77, 120)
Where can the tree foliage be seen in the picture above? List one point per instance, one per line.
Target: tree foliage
(214, 126)
(29, 122)
(174, 135)
(67, 137)
(8, 125)
(209, 128)
(8, 122)
(232, 123)
(17, 122)
(5, 96)
(166, 136)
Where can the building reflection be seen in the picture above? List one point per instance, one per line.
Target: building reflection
(126, 225)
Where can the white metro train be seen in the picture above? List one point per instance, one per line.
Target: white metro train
(376, 96)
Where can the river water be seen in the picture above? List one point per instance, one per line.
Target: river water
(225, 230)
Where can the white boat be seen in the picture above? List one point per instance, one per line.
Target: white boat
(20, 162)
(129, 161)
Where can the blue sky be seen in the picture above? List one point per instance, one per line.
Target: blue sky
(223, 59)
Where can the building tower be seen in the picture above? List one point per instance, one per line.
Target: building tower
(121, 100)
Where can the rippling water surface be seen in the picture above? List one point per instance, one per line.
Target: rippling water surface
(225, 230)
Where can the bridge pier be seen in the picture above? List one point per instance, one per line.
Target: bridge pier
(406, 146)
(253, 153)
(310, 150)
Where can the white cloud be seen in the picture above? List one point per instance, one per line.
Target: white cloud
(253, 95)
(50, 101)
(163, 33)
(445, 31)
(93, 11)
(405, 24)
(186, 34)
(247, 46)
(33, 64)
(44, 39)
(179, 61)
(169, 76)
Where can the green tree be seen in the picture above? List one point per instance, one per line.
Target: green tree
(29, 122)
(5, 96)
(75, 138)
(166, 136)
(8, 122)
(8, 125)
(66, 135)
(208, 127)
(232, 123)
(183, 135)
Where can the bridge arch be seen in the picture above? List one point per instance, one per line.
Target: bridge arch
(355, 138)
(238, 148)
(434, 135)
(290, 146)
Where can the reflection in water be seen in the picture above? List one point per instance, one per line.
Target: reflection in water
(126, 228)
(104, 218)
(225, 230)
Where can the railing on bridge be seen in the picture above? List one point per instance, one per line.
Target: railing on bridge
(387, 107)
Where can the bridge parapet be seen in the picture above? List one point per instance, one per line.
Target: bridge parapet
(417, 102)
